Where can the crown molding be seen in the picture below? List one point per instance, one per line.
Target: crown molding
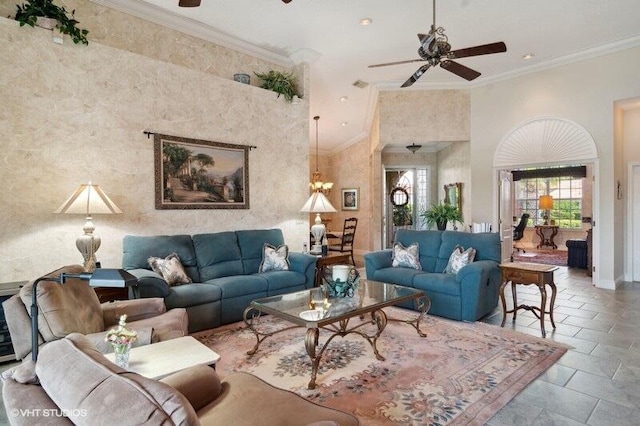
(151, 13)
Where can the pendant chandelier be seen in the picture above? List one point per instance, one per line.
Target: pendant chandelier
(316, 180)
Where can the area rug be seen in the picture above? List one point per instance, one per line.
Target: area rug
(548, 257)
(460, 373)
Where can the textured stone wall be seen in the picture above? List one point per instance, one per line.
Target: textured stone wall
(72, 113)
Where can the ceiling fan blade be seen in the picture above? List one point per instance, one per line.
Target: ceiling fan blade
(396, 63)
(416, 75)
(485, 49)
(189, 3)
(460, 70)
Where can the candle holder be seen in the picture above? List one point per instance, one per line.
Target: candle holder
(337, 286)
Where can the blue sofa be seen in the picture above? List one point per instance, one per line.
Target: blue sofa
(468, 295)
(224, 269)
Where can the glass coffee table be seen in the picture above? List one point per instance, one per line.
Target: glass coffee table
(338, 316)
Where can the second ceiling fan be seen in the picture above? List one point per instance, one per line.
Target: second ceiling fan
(436, 50)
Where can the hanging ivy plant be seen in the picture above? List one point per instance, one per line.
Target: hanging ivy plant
(281, 83)
(29, 12)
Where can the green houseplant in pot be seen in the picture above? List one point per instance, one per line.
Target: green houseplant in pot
(279, 82)
(29, 12)
(441, 213)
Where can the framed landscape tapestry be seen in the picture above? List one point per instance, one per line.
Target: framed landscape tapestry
(349, 198)
(198, 174)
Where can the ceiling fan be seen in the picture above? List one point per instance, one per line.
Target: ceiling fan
(436, 50)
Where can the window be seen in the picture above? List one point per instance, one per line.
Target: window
(567, 200)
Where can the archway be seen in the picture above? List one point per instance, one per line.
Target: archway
(547, 141)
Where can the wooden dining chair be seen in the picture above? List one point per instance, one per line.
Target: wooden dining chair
(348, 235)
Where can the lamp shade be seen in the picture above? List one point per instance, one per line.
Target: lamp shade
(318, 203)
(546, 202)
(89, 199)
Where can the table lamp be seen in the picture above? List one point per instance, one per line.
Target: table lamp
(89, 199)
(318, 203)
(546, 204)
(99, 278)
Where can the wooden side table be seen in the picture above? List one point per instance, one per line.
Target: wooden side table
(544, 240)
(528, 274)
(332, 258)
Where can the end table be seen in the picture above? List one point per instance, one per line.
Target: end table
(522, 273)
(332, 258)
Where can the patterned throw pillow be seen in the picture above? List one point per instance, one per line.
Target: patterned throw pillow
(170, 268)
(274, 259)
(406, 257)
(459, 258)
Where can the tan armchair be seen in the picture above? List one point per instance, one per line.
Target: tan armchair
(74, 379)
(74, 307)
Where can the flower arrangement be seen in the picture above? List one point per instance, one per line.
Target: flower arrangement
(121, 335)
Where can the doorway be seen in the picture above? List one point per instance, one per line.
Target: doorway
(530, 145)
(407, 193)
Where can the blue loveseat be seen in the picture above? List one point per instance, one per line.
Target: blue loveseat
(468, 295)
(223, 267)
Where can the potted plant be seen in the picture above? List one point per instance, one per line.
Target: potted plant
(29, 12)
(441, 213)
(281, 83)
(402, 215)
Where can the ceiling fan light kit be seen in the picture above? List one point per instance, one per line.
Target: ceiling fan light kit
(435, 50)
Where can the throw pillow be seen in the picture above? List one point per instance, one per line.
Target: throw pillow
(406, 257)
(459, 258)
(274, 258)
(170, 268)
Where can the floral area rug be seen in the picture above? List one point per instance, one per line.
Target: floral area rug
(460, 373)
(548, 257)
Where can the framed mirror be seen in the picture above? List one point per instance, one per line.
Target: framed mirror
(453, 195)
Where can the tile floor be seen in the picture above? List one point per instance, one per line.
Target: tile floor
(595, 383)
(598, 381)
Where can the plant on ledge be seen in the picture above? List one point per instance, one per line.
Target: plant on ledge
(281, 83)
(440, 214)
(30, 11)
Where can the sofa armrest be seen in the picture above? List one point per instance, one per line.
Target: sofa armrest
(479, 283)
(149, 284)
(200, 384)
(305, 264)
(136, 309)
(474, 270)
(377, 260)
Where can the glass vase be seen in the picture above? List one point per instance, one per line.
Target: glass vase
(121, 352)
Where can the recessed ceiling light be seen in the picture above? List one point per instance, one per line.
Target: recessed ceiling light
(343, 99)
(366, 21)
(344, 124)
(528, 56)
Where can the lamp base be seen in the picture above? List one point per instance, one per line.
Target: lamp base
(88, 244)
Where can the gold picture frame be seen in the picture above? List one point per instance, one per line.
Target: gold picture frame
(453, 195)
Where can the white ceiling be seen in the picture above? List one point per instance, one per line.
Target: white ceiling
(556, 31)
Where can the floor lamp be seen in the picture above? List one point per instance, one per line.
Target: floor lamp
(100, 278)
(318, 203)
(88, 200)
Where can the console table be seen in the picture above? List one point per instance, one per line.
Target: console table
(547, 241)
(522, 273)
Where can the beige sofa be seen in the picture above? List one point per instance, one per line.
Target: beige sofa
(74, 307)
(78, 385)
